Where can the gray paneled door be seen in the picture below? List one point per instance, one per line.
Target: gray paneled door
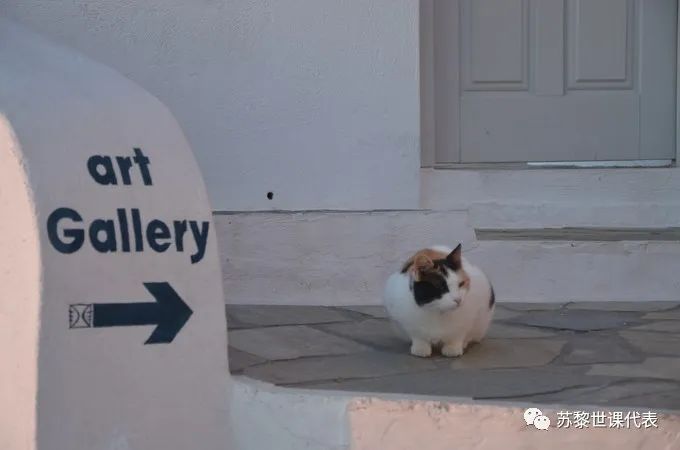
(555, 80)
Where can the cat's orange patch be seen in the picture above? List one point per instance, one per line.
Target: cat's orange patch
(423, 258)
(425, 254)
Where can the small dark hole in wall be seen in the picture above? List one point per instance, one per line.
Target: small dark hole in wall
(270, 195)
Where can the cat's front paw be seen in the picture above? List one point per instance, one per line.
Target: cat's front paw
(421, 349)
(453, 350)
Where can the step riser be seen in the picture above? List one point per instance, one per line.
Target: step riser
(558, 215)
(324, 258)
(344, 259)
(448, 189)
(588, 271)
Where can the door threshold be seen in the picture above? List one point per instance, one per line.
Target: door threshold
(648, 163)
(643, 164)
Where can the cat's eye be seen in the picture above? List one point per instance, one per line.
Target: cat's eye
(461, 284)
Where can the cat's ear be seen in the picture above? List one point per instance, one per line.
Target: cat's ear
(422, 262)
(455, 257)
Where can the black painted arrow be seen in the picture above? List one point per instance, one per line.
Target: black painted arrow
(169, 313)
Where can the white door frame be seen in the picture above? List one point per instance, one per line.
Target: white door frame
(430, 109)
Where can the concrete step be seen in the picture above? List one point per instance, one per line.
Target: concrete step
(344, 258)
(453, 189)
(565, 251)
(559, 271)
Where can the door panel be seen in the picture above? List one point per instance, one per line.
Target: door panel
(557, 80)
(601, 56)
(495, 44)
(584, 128)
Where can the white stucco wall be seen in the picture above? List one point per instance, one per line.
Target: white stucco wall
(264, 416)
(332, 420)
(20, 279)
(314, 100)
(443, 424)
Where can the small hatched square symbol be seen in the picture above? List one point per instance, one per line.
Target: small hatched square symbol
(80, 316)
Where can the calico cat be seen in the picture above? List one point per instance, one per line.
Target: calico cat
(439, 298)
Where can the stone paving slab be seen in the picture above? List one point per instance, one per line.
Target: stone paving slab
(508, 331)
(657, 367)
(372, 332)
(625, 355)
(501, 313)
(488, 384)
(247, 316)
(290, 342)
(623, 306)
(578, 320)
(526, 306)
(665, 326)
(507, 353)
(664, 315)
(373, 311)
(600, 348)
(651, 343)
(239, 360)
(355, 366)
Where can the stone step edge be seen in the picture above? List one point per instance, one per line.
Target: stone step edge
(582, 234)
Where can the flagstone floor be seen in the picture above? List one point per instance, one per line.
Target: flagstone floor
(610, 354)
